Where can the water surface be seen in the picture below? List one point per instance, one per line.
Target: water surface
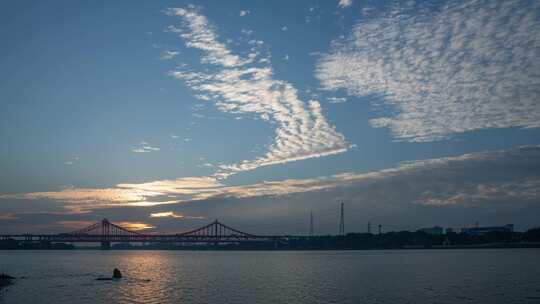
(393, 276)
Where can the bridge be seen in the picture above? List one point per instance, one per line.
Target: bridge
(105, 232)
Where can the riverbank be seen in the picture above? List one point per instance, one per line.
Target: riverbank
(266, 248)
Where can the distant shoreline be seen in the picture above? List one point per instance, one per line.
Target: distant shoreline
(238, 248)
(402, 240)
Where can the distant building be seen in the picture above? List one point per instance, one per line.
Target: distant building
(484, 230)
(449, 230)
(432, 230)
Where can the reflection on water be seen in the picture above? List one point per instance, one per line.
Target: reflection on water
(413, 276)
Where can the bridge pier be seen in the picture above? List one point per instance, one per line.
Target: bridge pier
(105, 245)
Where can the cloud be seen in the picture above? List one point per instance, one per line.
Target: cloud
(135, 226)
(166, 214)
(74, 225)
(506, 177)
(185, 185)
(494, 187)
(80, 199)
(478, 193)
(463, 66)
(198, 33)
(72, 161)
(172, 214)
(165, 55)
(144, 147)
(8, 216)
(345, 3)
(243, 13)
(242, 86)
(337, 99)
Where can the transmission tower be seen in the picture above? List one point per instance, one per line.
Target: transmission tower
(341, 222)
(368, 227)
(311, 223)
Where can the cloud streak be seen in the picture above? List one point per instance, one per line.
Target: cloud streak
(247, 86)
(465, 180)
(166, 55)
(144, 147)
(171, 214)
(464, 66)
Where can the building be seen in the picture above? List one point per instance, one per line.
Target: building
(449, 230)
(432, 230)
(484, 230)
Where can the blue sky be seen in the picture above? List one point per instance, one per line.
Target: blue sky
(172, 113)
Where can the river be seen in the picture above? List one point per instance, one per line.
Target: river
(385, 276)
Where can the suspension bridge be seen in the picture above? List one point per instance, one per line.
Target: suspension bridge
(105, 232)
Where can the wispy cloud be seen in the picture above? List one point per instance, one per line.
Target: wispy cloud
(171, 214)
(144, 147)
(337, 100)
(242, 86)
(467, 180)
(166, 214)
(136, 226)
(165, 55)
(80, 199)
(72, 161)
(464, 66)
(244, 13)
(345, 3)
(198, 33)
(479, 193)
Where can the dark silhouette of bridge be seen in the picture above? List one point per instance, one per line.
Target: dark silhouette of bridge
(105, 232)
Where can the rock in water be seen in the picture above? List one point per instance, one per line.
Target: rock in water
(4, 276)
(5, 279)
(117, 274)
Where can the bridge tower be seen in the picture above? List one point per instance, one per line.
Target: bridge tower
(105, 229)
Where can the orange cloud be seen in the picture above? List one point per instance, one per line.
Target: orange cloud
(166, 214)
(174, 215)
(135, 226)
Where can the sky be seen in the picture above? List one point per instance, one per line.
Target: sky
(165, 115)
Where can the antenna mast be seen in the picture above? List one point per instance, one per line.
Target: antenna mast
(311, 223)
(341, 222)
